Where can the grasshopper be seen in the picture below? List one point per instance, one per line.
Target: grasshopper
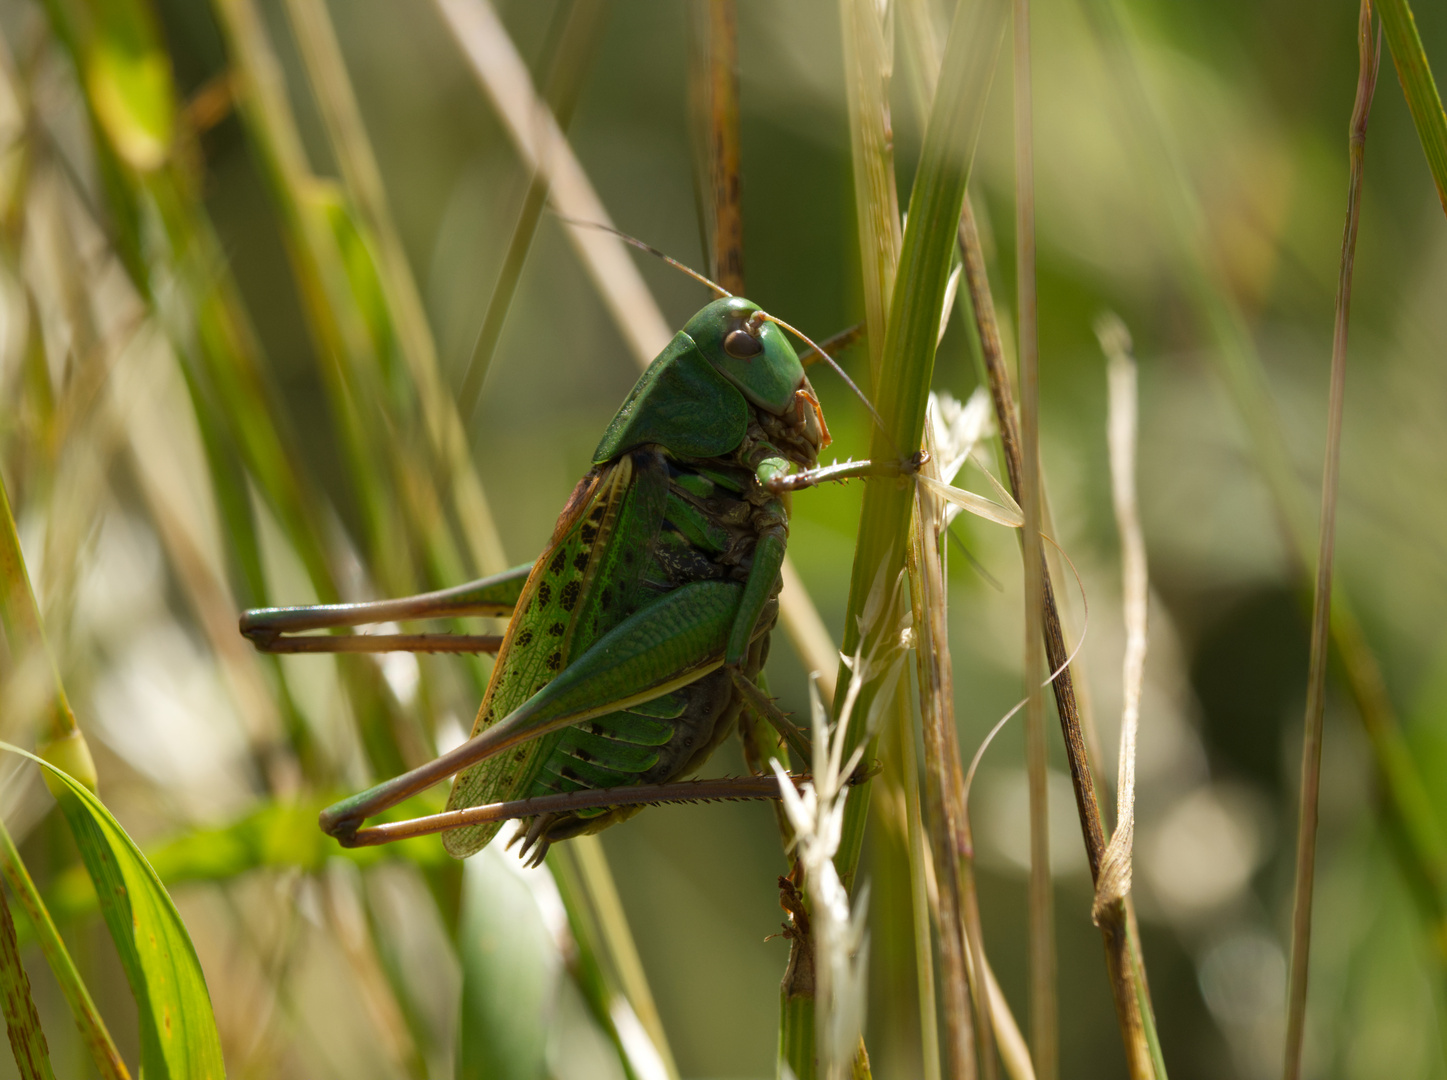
(639, 634)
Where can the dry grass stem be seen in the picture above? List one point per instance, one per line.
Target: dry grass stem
(576, 44)
(942, 792)
(1044, 1009)
(544, 148)
(347, 135)
(1159, 158)
(722, 164)
(816, 812)
(1132, 1001)
(1369, 57)
(1115, 871)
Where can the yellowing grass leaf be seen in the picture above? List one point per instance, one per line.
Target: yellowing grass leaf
(22, 1022)
(128, 75)
(976, 504)
(178, 1029)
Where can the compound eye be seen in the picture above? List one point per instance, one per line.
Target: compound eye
(742, 345)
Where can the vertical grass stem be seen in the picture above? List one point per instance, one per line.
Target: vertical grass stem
(1369, 55)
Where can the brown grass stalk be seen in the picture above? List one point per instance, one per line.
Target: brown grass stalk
(1132, 1003)
(1044, 1009)
(1369, 56)
(942, 794)
(724, 160)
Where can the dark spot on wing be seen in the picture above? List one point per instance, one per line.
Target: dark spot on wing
(571, 592)
(560, 560)
(545, 593)
(581, 562)
(557, 629)
(605, 599)
(555, 661)
(524, 638)
(589, 533)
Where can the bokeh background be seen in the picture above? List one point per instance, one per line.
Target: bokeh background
(130, 496)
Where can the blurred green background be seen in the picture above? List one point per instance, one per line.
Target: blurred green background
(319, 969)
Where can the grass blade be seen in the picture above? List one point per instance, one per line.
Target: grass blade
(581, 868)
(947, 828)
(22, 1022)
(1113, 885)
(178, 1029)
(508, 975)
(1420, 89)
(1369, 55)
(912, 333)
(575, 47)
(363, 182)
(20, 621)
(868, 65)
(535, 133)
(93, 1030)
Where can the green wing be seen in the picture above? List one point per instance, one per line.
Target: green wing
(586, 581)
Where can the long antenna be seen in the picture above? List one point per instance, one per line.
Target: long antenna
(716, 287)
(832, 363)
(641, 246)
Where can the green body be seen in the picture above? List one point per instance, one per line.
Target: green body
(663, 570)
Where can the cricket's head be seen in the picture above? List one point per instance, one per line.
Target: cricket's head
(749, 350)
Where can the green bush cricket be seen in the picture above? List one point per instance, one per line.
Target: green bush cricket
(638, 636)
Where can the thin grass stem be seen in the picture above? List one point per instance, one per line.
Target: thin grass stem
(618, 946)
(722, 181)
(1132, 999)
(576, 44)
(1369, 56)
(942, 793)
(919, 901)
(347, 134)
(1044, 1009)
(1239, 365)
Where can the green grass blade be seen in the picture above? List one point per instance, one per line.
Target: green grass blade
(22, 1022)
(362, 179)
(912, 334)
(507, 975)
(179, 1040)
(1415, 75)
(607, 968)
(93, 1030)
(868, 36)
(20, 622)
(128, 76)
(576, 44)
